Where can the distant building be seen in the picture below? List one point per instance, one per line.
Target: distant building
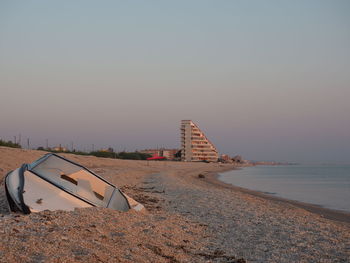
(162, 152)
(238, 159)
(108, 150)
(225, 158)
(195, 146)
(60, 149)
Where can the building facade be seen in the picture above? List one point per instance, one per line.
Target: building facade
(162, 152)
(195, 146)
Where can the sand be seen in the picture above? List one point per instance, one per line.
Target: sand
(188, 219)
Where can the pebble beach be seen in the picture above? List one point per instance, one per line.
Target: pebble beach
(190, 217)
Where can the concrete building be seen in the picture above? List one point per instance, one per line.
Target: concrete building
(195, 146)
(169, 153)
(162, 152)
(60, 149)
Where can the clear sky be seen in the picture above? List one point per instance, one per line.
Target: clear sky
(269, 80)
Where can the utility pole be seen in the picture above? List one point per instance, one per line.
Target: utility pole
(71, 146)
(28, 142)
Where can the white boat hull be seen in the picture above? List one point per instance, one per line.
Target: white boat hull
(39, 186)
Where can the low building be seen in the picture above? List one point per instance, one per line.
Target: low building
(60, 149)
(225, 158)
(169, 153)
(162, 152)
(107, 150)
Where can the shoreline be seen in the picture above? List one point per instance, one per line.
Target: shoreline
(249, 225)
(332, 214)
(188, 219)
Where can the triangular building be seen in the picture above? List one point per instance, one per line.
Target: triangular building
(195, 146)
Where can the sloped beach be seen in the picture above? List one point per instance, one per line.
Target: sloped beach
(188, 219)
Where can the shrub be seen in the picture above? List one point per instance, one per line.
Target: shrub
(10, 144)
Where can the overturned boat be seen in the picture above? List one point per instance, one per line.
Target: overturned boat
(56, 183)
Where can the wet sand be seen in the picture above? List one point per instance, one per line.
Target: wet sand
(331, 214)
(188, 219)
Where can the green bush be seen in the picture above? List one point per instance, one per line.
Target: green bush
(121, 155)
(72, 152)
(110, 154)
(133, 155)
(9, 144)
(103, 154)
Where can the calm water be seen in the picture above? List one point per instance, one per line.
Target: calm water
(324, 185)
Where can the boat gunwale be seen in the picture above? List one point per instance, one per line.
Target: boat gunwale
(27, 167)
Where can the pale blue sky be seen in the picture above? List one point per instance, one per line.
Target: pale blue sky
(265, 79)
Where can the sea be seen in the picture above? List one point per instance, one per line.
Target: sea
(325, 185)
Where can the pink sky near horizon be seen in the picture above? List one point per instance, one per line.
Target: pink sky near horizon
(265, 80)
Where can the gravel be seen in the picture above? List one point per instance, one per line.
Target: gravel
(189, 218)
(250, 227)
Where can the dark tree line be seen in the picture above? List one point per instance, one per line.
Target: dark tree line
(10, 144)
